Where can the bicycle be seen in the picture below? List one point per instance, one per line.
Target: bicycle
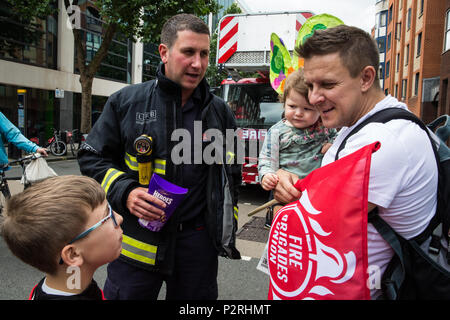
(56, 145)
(73, 141)
(4, 186)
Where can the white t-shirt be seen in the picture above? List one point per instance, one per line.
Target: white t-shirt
(403, 180)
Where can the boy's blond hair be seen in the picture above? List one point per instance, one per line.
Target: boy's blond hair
(295, 81)
(41, 220)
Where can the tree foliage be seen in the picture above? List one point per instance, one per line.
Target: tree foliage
(135, 19)
(17, 30)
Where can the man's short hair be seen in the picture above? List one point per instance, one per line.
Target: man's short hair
(41, 220)
(180, 22)
(356, 48)
(295, 81)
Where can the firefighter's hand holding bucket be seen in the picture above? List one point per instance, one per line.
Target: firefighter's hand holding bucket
(167, 192)
(144, 205)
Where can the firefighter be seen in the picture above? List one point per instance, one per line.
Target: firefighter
(132, 139)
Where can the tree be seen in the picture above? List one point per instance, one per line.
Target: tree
(135, 19)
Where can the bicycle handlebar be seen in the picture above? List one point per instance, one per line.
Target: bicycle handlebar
(30, 157)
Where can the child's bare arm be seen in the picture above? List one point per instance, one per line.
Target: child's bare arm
(325, 147)
(269, 181)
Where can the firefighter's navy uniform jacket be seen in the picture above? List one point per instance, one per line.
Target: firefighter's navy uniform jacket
(109, 156)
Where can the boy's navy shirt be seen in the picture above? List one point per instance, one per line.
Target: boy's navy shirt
(93, 292)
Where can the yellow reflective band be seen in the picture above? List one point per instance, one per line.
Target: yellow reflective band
(230, 157)
(236, 213)
(131, 162)
(138, 250)
(145, 173)
(160, 166)
(111, 175)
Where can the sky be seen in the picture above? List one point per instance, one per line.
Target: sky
(359, 13)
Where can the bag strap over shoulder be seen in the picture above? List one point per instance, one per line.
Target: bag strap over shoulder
(386, 115)
(390, 236)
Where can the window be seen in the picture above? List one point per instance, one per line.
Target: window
(404, 88)
(117, 63)
(397, 63)
(407, 55)
(388, 66)
(447, 32)
(398, 30)
(421, 8)
(416, 84)
(381, 42)
(409, 19)
(419, 44)
(396, 91)
(28, 41)
(389, 42)
(390, 13)
(150, 61)
(383, 19)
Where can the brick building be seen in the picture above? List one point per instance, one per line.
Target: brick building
(444, 89)
(414, 47)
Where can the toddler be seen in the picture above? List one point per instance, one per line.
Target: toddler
(298, 141)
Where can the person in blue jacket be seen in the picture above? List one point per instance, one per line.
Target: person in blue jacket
(10, 133)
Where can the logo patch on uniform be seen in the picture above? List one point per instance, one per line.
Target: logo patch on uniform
(143, 145)
(145, 117)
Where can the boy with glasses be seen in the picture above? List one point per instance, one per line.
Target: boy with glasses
(64, 227)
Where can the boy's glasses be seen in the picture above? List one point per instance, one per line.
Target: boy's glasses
(95, 226)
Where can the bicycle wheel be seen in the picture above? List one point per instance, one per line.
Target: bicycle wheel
(58, 148)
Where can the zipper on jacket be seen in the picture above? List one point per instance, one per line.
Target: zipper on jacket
(175, 168)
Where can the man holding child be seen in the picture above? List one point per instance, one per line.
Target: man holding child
(340, 71)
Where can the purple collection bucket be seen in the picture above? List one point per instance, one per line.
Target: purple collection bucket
(170, 194)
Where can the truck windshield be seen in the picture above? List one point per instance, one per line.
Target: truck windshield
(255, 105)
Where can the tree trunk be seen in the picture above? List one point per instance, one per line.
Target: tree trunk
(86, 104)
(88, 70)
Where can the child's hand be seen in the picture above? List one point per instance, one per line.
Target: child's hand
(269, 181)
(325, 147)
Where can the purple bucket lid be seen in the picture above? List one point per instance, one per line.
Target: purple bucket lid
(168, 186)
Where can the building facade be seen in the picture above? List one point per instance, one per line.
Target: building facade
(444, 89)
(39, 82)
(379, 34)
(413, 54)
